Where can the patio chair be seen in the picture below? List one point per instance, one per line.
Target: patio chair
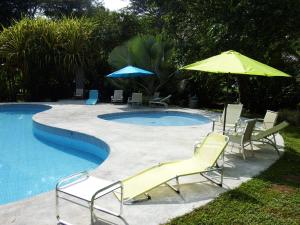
(136, 99)
(93, 97)
(232, 117)
(264, 136)
(88, 189)
(244, 138)
(117, 97)
(160, 102)
(78, 93)
(268, 121)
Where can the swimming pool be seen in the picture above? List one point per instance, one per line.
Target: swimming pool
(154, 118)
(33, 156)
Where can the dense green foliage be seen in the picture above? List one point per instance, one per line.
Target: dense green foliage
(42, 57)
(43, 53)
(268, 31)
(16, 9)
(272, 197)
(149, 52)
(265, 30)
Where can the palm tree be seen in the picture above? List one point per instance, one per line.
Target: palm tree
(148, 52)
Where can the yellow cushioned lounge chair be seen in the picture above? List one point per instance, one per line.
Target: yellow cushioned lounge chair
(88, 188)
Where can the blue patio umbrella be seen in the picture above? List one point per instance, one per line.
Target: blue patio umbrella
(130, 71)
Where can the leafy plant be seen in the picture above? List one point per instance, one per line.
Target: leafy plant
(152, 53)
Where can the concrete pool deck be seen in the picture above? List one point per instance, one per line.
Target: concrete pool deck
(134, 148)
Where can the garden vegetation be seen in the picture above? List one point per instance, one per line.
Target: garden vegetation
(43, 58)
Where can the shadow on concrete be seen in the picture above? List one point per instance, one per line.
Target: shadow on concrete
(189, 192)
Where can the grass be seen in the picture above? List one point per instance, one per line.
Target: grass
(273, 197)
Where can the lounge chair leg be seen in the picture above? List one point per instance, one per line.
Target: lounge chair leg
(243, 152)
(274, 139)
(251, 145)
(57, 205)
(147, 196)
(174, 189)
(177, 182)
(221, 183)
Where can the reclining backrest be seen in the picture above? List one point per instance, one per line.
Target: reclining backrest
(118, 94)
(250, 124)
(137, 97)
(211, 148)
(270, 119)
(93, 94)
(233, 113)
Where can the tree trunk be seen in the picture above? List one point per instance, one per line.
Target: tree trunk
(79, 78)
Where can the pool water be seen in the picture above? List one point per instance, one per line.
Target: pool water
(32, 161)
(150, 118)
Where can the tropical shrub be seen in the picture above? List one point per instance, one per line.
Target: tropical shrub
(153, 53)
(48, 56)
(44, 53)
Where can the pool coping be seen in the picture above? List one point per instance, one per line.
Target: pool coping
(127, 143)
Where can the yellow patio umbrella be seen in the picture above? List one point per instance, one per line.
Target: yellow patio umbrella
(232, 62)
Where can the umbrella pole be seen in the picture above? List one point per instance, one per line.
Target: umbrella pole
(225, 106)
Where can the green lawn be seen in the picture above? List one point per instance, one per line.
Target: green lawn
(273, 197)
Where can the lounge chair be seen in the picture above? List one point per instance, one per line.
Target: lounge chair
(88, 188)
(268, 121)
(117, 97)
(160, 102)
(136, 99)
(244, 138)
(263, 136)
(232, 117)
(155, 96)
(78, 93)
(93, 97)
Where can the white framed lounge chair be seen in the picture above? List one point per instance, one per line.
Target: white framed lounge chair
(78, 93)
(264, 136)
(244, 138)
(160, 102)
(233, 115)
(117, 97)
(87, 189)
(136, 99)
(156, 96)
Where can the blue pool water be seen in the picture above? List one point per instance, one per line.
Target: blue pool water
(166, 118)
(33, 157)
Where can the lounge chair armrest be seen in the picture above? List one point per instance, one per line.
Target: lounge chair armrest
(199, 142)
(108, 189)
(196, 144)
(260, 119)
(104, 191)
(72, 178)
(213, 126)
(217, 119)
